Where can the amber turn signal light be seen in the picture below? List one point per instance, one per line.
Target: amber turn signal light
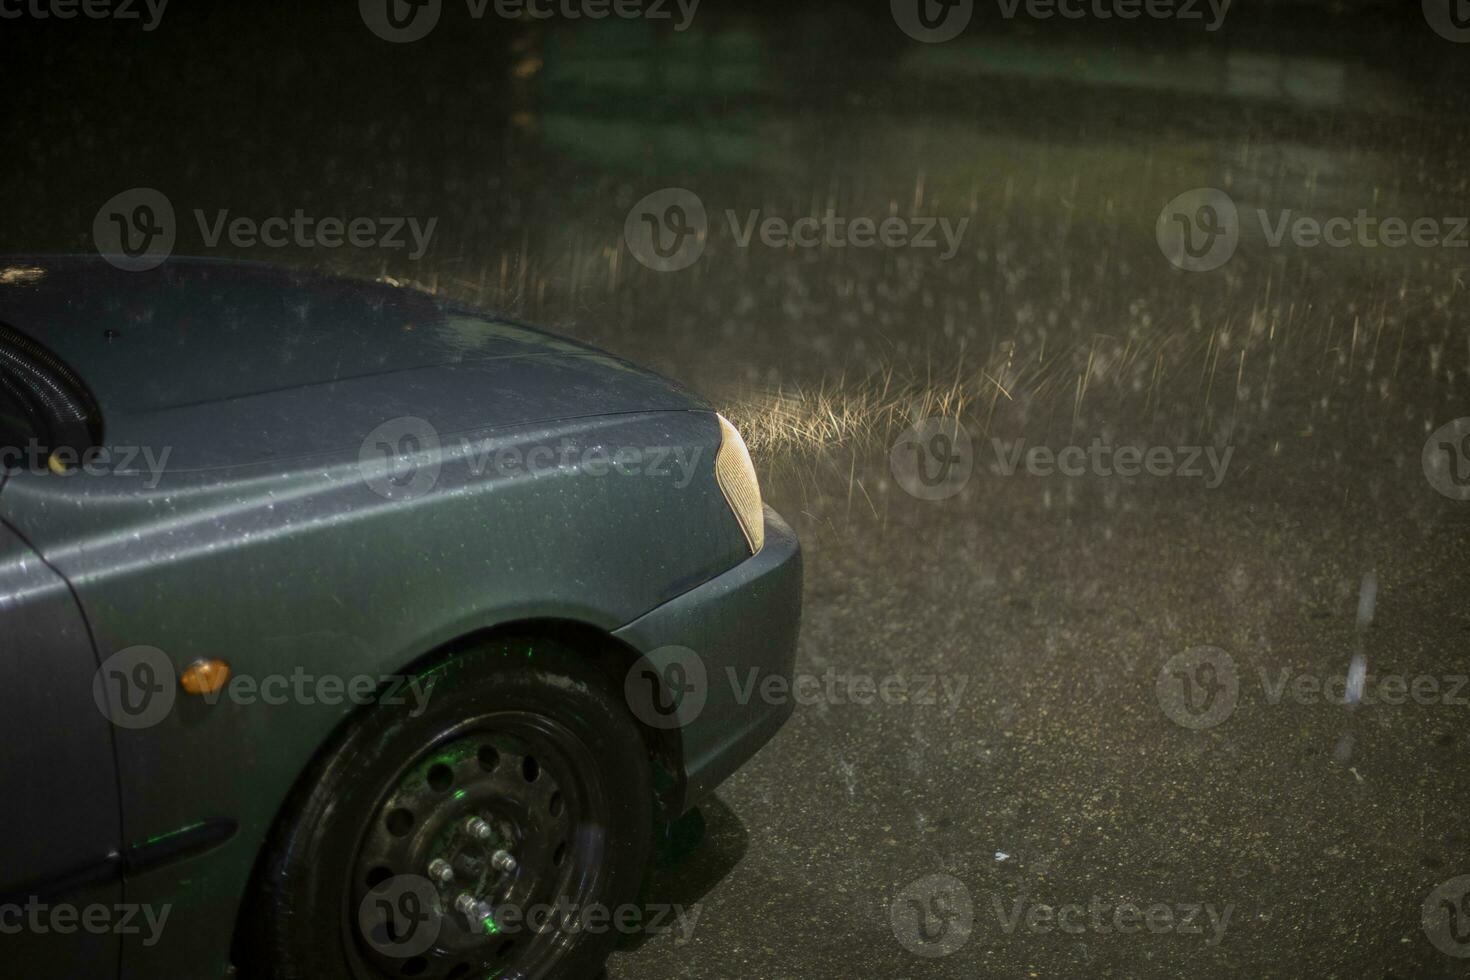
(205, 676)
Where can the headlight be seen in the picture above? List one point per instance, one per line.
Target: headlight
(736, 476)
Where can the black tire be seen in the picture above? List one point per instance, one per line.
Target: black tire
(316, 914)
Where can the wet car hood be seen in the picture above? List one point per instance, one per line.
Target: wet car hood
(242, 361)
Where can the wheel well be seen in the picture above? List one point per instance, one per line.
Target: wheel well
(611, 658)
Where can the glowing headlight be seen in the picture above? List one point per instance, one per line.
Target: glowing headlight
(736, 476)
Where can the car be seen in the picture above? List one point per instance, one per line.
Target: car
(347, 627)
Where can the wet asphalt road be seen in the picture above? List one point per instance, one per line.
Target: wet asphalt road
(1071, 764)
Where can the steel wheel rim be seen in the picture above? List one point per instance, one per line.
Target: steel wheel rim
(535, 785)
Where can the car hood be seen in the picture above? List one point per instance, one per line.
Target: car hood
(231, 362)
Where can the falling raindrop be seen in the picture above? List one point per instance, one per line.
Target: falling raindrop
(1358, 666)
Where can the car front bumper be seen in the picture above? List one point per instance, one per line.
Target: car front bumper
(742, 625)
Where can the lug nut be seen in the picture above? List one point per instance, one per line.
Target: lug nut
(477, 912)
(503, 861)
(479, 829)
(441, 871)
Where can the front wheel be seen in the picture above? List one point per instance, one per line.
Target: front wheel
(502, 832)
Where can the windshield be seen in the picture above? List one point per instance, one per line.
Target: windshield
(18, 425)
(43, 405)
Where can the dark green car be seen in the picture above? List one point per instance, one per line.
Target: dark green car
(345, 630)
